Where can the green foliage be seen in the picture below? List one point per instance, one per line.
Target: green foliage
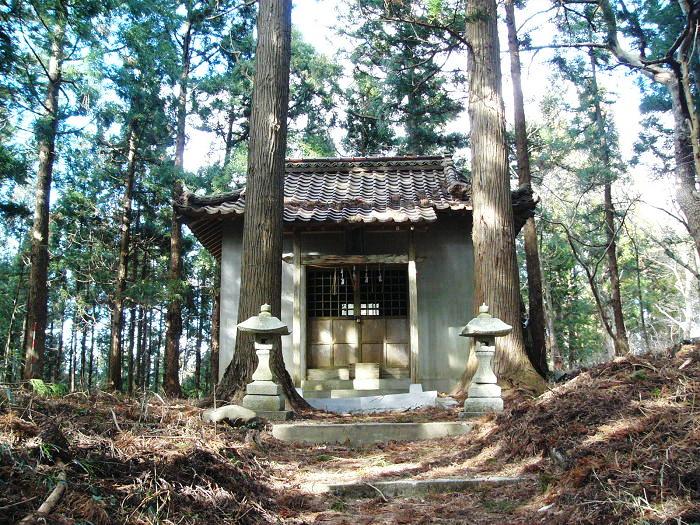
(401, 98)
(48, 389)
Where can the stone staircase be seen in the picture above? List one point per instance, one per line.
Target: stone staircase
(357, 380)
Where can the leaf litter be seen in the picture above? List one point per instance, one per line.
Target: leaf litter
(618, 443)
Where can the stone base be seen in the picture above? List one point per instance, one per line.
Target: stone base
(262, 403)
(366, 370)
(276, 415)
(484, 390)
(264, 388)
(478, 406)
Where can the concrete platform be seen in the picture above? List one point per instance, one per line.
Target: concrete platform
(364, 434)
(328, 384)
(417, 487)
(382, 403)
(377, 384)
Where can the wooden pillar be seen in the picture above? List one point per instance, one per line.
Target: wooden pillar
(299, 316)
(413, 307)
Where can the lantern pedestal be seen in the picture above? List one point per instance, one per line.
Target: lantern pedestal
(263, 395)
(484, 392)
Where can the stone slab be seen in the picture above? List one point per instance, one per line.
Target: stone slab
(365, 434)
(265, 388)
(337, 394)
(277, 415)
(375, 384)
(260, 403)
(369, 404)
(366, 371)
(483, 390)
(483, 404)
(322, 374)
(410, 487)
(329, 384)
(396, 373)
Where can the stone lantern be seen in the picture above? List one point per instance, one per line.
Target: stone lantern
(263, 395)
(484, 394)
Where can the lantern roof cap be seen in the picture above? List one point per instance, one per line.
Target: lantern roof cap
(264, 323)
(485, 324)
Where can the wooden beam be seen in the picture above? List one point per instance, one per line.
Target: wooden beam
(339, 260)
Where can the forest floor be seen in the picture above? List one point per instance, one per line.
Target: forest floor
(619, 443)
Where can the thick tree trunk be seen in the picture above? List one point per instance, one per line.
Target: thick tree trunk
(687, 192)
(114, 379)
(261, 260)
(620, 335)
(171, 380)
(37, 300)
(536, 318)
(495, 264)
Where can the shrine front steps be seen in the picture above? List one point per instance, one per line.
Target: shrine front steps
(345, 393)
(367, 434)
(417, 487)
(402, 384)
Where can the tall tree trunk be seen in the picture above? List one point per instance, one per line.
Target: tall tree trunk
(550, 313)
(156, 360)
(7, 354)
(83, 350)
(37, 300)
(92, 351)
(114, 380)
(261, 260)
(687, 193)
(620, 335)
(640, 295)
(71, 354)
(59, 348)
(495, 263)
(171, 381)
(199, 338)
(536, 317)
(215, 324)
(130, 350)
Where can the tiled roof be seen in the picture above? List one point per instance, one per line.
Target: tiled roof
(354, 190)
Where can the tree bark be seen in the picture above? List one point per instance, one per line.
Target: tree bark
(261, 260)
(687, 193)
(37, 300)
(495, 263)
(114, 378)
(171, 380)
(620, 335)
(536, 314)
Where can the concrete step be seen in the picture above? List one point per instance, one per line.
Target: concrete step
(376, 384)
(366, 370)
(324, 374)
(329, 384)
(364, 434)
(364, 393)
(395, 373)
(418, 487)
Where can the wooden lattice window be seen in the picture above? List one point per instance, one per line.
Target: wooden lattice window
(368, 291)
